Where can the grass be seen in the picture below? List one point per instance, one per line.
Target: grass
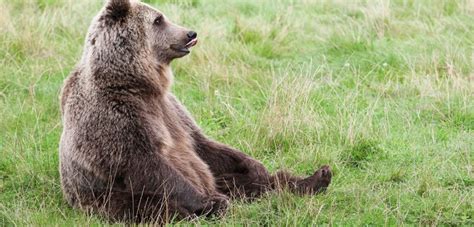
(381, 90)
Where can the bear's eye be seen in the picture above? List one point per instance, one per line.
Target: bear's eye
(158, 20)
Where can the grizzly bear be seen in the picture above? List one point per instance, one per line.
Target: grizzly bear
(129, 150)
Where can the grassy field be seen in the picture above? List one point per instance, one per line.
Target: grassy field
(383, 91)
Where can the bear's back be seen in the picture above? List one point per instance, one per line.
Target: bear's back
(102, 131)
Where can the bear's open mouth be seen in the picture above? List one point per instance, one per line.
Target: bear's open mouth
(185, 48)
(191, 43)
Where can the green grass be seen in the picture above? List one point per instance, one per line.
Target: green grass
(381, 90)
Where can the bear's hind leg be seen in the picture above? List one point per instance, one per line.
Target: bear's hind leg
(239, 175)
(316, 183)
(247, 185)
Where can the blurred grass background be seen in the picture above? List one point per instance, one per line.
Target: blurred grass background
(382, 90)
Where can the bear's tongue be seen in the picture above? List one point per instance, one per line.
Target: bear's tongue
(184, 48)
(191, 43)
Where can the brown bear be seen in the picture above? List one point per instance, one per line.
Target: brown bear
(129, 150)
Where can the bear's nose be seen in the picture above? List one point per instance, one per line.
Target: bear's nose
(192, 35)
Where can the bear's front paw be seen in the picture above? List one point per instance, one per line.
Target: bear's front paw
(215, 205)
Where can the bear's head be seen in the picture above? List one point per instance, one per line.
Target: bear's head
(128, 31)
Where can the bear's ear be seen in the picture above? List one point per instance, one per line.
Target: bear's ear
(117, 9)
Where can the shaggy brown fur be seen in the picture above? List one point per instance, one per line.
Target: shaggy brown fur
(129, 150)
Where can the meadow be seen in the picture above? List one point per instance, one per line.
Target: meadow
(381, 90)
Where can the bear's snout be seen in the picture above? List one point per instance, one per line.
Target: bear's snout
(192, 35)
